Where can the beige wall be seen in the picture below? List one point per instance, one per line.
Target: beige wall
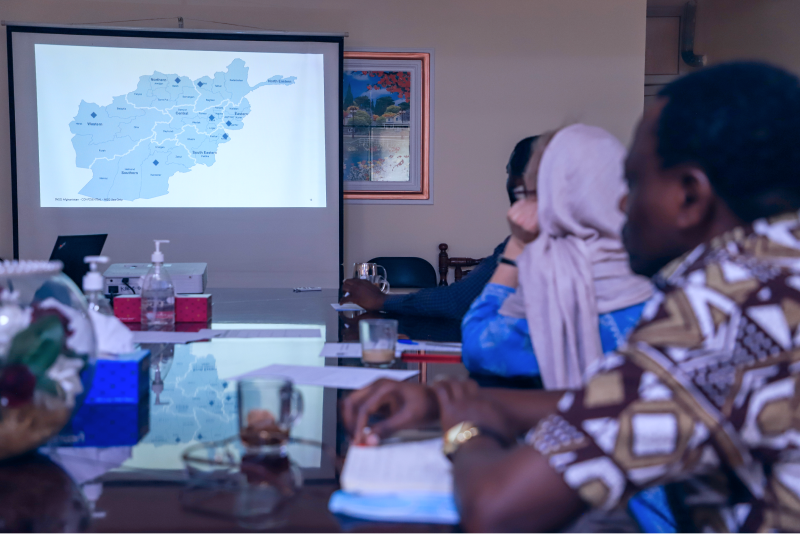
(750, 29)
(504, 69)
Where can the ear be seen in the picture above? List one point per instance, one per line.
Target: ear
(697, 198)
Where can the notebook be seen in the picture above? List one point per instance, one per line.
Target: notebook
(408, 482)
(416, 466)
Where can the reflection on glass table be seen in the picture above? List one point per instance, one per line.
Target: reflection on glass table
(193, 398)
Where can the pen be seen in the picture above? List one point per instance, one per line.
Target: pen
(407, 342)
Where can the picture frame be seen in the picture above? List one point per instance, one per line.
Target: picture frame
(386, 126)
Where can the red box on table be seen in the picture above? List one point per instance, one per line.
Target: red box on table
(188, 308)
(128, 308)
(192, 308)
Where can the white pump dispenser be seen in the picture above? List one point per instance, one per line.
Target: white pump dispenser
(158, 256)
(93, 286)
(158, 294)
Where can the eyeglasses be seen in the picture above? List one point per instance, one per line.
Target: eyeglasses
(521, 193)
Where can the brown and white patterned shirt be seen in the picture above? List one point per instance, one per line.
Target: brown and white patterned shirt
(705, 393)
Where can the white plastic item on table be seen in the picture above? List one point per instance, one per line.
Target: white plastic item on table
(93, 287)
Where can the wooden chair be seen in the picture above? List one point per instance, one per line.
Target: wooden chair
(445, 262)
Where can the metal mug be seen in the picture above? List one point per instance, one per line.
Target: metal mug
(371, 273)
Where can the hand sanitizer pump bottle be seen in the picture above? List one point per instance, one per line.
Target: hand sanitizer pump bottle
(93, 286)
(158, 295)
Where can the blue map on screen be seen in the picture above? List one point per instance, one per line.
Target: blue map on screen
(168, 124)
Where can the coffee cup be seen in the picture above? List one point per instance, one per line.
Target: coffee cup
(372, 273)
(378, 340)
(267, 410)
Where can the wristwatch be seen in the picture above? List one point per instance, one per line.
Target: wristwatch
(463, 432)
(457, 436)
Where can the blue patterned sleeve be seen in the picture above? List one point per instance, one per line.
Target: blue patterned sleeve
(493, 343)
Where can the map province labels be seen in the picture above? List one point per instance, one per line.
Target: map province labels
(168, 124)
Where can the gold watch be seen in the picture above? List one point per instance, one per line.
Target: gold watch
(457, 436)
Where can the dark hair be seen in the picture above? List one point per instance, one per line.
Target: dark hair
(740, 122)
(520, 156)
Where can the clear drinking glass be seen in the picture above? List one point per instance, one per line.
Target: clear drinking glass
(378, 340)
(267, 410)
(371, 273)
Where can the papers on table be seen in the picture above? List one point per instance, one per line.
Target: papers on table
(207, 333)
(262, 333)
(350, 306)
(341, 350)
(428, 346)
(353, 350)
(329, 377)
(417, 466)
(167, 337)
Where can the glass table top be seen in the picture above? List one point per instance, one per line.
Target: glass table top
(193, 386)
(192, 399)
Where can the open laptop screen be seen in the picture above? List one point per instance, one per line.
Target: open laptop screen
(71, 249)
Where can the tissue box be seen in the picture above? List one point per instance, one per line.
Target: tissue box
(193, 308)
(128, 308)
(106, 425)
(188, 308)
(125, 379)
(116, 411)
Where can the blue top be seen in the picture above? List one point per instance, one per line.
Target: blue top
(447, 302)
(498, 345)
(495, 344)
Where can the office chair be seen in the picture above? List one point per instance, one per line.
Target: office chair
(407, 271)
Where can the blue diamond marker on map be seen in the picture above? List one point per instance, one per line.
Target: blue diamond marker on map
(177, 80)
(228, 123)
(155, 162)
(199, 84)
(224, 136)
(94, 114)
(211, 117)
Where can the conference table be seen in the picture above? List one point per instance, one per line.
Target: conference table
(146, 487)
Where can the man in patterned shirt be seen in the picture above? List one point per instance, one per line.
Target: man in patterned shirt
(704, 395)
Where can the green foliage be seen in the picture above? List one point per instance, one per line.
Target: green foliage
(381, 104)
(348, 98)
(38, 346)
(393, 109)
(363, 102)
(48, 386)
(404, 106)
(361, 118)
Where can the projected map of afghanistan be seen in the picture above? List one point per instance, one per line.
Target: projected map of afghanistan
(168, 124)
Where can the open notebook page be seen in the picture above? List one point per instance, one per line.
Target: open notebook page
(417, 466)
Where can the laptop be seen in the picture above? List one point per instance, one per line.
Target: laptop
(71, 249)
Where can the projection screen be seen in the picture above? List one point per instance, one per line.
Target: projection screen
(227, 144)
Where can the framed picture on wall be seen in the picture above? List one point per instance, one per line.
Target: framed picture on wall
(386, 126)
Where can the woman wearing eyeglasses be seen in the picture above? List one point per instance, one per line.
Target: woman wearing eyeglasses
(562, 294)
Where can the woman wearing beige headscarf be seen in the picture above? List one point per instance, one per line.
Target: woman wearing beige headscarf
(563, 294)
